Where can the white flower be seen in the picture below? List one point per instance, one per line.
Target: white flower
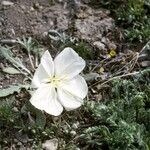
(58, 83)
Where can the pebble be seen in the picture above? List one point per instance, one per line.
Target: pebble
(73, 133)
(112, 46)
(145, 63)
(105, 40)
(75, 125)
(50, 144)
(15, 109)
(32, 9)
(7, 3)
(99, 45)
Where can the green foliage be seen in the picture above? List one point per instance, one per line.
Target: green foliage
(40, 120)
(11, 89)
(7, 118)
(140, 32)
(134, 11)
(123, 121)
(11, 70)
(62, 41)
(81, 48)
(118, 123)
(134, 17)
(6, 110)
(5, 52)
(31, 46)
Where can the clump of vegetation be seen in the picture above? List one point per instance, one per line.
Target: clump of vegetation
(132, 15)
(61, 40)
(120, 122)
(81, 48)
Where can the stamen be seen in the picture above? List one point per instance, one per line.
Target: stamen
(55, 81)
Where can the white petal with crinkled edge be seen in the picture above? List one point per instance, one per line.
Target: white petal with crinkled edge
(68, 64)
(39, 76)
(45, 98)
(44, 71)
(68, 100)
(76, 86)
(48, 63)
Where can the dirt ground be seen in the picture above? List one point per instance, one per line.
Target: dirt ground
(35, 18)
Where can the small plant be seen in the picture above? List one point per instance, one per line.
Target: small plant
(122, 122)
(62, 40)
(118, 122)
(134, 17)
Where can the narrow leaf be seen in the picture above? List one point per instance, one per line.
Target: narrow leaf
(91, 76)
(40, 119)
(6, 53)
(11, 89)
(11, 70)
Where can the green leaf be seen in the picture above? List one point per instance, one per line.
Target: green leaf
(91, 76)
(11, 89)
(11, 70)
(15, 61)
(31, 45)
(40, 119)
(27, 44)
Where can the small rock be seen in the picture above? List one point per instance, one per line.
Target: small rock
(112, 46)
(7, 3)
(145, 63)
(108, 43)
(15, 109)
(105, 40)
(19, 143)
(99, 45)
(32, 9)
(99, 97)
(23, 7)
(75, 125)
(91, 76)
(37, 6)
(73, 133)
(50, 144)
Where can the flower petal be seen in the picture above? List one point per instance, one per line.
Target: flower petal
(45, 70)
(76, 86)
(48, 63)
(39, 75)
(45, 98)
(68, 100)
(68, 64)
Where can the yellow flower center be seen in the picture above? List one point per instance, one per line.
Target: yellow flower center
(54, 81)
